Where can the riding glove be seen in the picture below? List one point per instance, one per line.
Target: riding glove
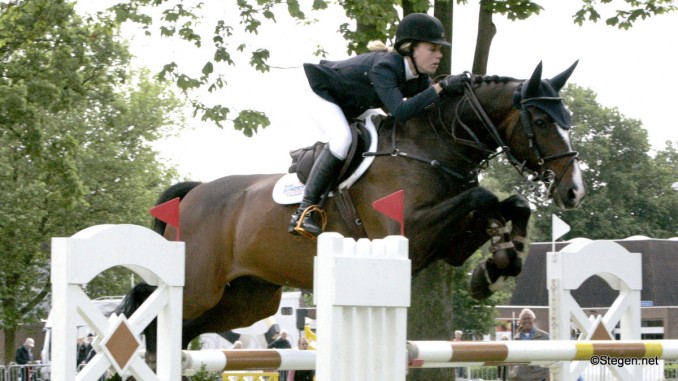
(455, 84)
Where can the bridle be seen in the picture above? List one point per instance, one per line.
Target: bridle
(546, 176)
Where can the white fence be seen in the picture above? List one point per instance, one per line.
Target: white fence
(362, 292)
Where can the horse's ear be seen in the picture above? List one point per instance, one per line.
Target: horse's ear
(533, 84)
(559, 80)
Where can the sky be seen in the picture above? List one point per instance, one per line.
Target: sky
(632, 70)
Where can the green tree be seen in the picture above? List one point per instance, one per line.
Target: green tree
(628, 190)
(374, 20)
(74, 142)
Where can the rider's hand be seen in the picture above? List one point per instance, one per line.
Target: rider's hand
(455, 84)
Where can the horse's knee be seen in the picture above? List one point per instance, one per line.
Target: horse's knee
(517, 205)
(482, 198)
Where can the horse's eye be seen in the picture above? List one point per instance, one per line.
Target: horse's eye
(540, 123)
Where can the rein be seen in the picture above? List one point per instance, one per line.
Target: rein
(437, 164)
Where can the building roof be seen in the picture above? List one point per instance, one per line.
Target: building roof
(660, 276)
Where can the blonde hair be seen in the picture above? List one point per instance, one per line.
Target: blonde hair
(379, 46)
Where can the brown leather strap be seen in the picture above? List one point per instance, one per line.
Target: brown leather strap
(349, 214)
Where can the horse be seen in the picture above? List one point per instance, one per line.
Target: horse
(239, 254)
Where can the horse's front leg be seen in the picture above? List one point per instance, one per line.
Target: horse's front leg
(448, 230)
(487, 277)
(517, 210)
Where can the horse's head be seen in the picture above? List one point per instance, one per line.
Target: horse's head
(540, 139)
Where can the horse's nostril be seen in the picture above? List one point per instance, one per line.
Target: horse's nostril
(572, 194)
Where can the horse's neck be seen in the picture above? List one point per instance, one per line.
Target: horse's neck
(423, 139)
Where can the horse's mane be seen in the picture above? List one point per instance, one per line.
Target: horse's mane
(477, 81)
(482, 79)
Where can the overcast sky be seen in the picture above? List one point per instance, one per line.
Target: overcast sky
(634, 71)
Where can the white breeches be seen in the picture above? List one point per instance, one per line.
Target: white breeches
(329, 118)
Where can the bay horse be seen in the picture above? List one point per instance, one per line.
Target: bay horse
(239, 254)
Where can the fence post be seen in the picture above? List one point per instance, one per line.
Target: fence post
(362, 292)
(568, 269)
(76, 261)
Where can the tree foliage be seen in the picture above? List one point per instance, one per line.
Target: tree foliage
(74, 132)
(369, 20)
(180, 19)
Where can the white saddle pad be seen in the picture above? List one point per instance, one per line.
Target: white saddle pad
(289, 190)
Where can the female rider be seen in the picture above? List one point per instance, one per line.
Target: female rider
(397, 80)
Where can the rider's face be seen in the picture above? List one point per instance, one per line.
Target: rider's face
(427, 57)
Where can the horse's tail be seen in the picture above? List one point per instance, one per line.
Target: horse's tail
(131, 302)
(177, 190)
(140, 292)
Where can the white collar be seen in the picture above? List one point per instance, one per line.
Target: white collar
(408, 71)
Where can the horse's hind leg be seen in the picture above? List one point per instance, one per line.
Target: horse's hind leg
(245, 301)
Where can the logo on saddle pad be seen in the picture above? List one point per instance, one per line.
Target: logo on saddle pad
(290, 190)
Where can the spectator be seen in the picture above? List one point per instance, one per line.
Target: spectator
(281, 343)
(89, 349)
(528, 331)
(81, 351)
(457, 337)
(24, 356)
(302, 375)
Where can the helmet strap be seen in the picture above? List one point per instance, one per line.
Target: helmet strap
(414, 62)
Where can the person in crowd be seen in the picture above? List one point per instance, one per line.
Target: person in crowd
(81, 351)
(396, 79)
(91, 352)
(281, 342)
(458, 337)
(24, 356)
(302, 375)
(527, 330)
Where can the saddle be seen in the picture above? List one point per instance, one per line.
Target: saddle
(289, 189)
(304, 158)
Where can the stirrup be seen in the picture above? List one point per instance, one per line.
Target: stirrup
(323, 221)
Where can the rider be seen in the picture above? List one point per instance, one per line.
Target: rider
(397, 79)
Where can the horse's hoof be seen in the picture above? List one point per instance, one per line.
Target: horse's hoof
(500, 254)
(479, 285)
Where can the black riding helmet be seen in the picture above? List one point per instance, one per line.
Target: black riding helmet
(417, 27)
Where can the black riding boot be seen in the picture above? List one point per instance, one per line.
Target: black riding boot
(322, 174)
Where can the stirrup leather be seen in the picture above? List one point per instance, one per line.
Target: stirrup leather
(323, 221)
